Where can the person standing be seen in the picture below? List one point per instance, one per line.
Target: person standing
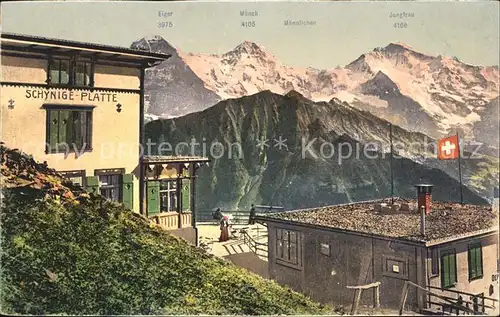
(224, 229)
(251, 221)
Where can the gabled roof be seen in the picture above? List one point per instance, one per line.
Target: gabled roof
(446, 222)
(41, 45)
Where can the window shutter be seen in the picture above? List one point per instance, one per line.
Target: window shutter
(153, 197)
(453, 273)
(186, 186)
(51, 74)
(128, 191)
(470, 256)
(479, 261)
(92, 184)
(65, 122)
(78, 129)
(53, 129)
(446, 271)
(92, 71)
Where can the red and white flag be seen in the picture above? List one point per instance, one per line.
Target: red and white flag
(448, 148)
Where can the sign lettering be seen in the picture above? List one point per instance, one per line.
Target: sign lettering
(71, 95)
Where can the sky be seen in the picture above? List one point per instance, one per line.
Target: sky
(342, 31)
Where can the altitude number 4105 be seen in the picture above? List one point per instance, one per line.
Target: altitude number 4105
(248, 24)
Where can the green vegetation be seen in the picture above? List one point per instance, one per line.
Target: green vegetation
(64, 251)
(486, 174)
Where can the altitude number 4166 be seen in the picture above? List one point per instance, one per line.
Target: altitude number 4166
(400, 25)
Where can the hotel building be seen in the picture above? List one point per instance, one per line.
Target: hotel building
(80, 108)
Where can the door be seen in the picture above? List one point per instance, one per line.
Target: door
(153, 198)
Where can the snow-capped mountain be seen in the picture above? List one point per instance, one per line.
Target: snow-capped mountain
(171, 88)
(429, 94)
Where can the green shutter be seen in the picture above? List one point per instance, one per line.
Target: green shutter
(453, 266)
(445, 268)
(475, 262)
(92, 184)
(65, 122)
(186, 190)
(153, 202)
(479, 261)
(78, 129)
(53, 128)
(472, 269)
(128, 190)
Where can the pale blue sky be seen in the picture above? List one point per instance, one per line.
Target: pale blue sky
(343, 31)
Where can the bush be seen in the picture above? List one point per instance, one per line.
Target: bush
(90, 256)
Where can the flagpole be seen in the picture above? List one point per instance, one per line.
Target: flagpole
(460, 170)
(392, 176)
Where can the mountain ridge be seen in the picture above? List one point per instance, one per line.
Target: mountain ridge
(447, 92)
(298, 173)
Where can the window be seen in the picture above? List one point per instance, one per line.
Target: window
(82, 73)
(325, 249)
(76, 177)
(168, 196)
(59, 71)
(434, 269)
(395, 267)
(110, 186)
(66, 71)
(288, 247)
(475, 257)
(113, 184)
(448, 269)
(110, 183)
(69, 129)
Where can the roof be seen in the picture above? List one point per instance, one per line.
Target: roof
(173, 159)
(446, 220)
(44, 45)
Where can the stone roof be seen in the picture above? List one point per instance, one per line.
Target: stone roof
(445, 221)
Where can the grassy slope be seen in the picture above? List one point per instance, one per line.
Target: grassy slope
(486, 176)
(64, 251)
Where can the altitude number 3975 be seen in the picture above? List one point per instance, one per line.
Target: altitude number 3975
(166, 24)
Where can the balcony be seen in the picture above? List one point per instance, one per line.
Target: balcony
(172, 220)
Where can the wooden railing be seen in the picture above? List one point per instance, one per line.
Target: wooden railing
(236, 216)
(478, 303)
(358, 289)
(452, 305)
(259, 248)
(172, 220)
(185, 219)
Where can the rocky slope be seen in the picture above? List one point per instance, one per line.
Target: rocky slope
(424, 93)
(65, 252)
(486, 130)
(171, 88)
(303, 174)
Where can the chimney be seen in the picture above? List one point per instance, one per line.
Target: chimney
(424, 196)
(422, 221)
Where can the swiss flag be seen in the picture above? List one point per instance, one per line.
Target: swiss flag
(448, 148)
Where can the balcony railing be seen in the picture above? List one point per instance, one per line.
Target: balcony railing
(172, 220)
